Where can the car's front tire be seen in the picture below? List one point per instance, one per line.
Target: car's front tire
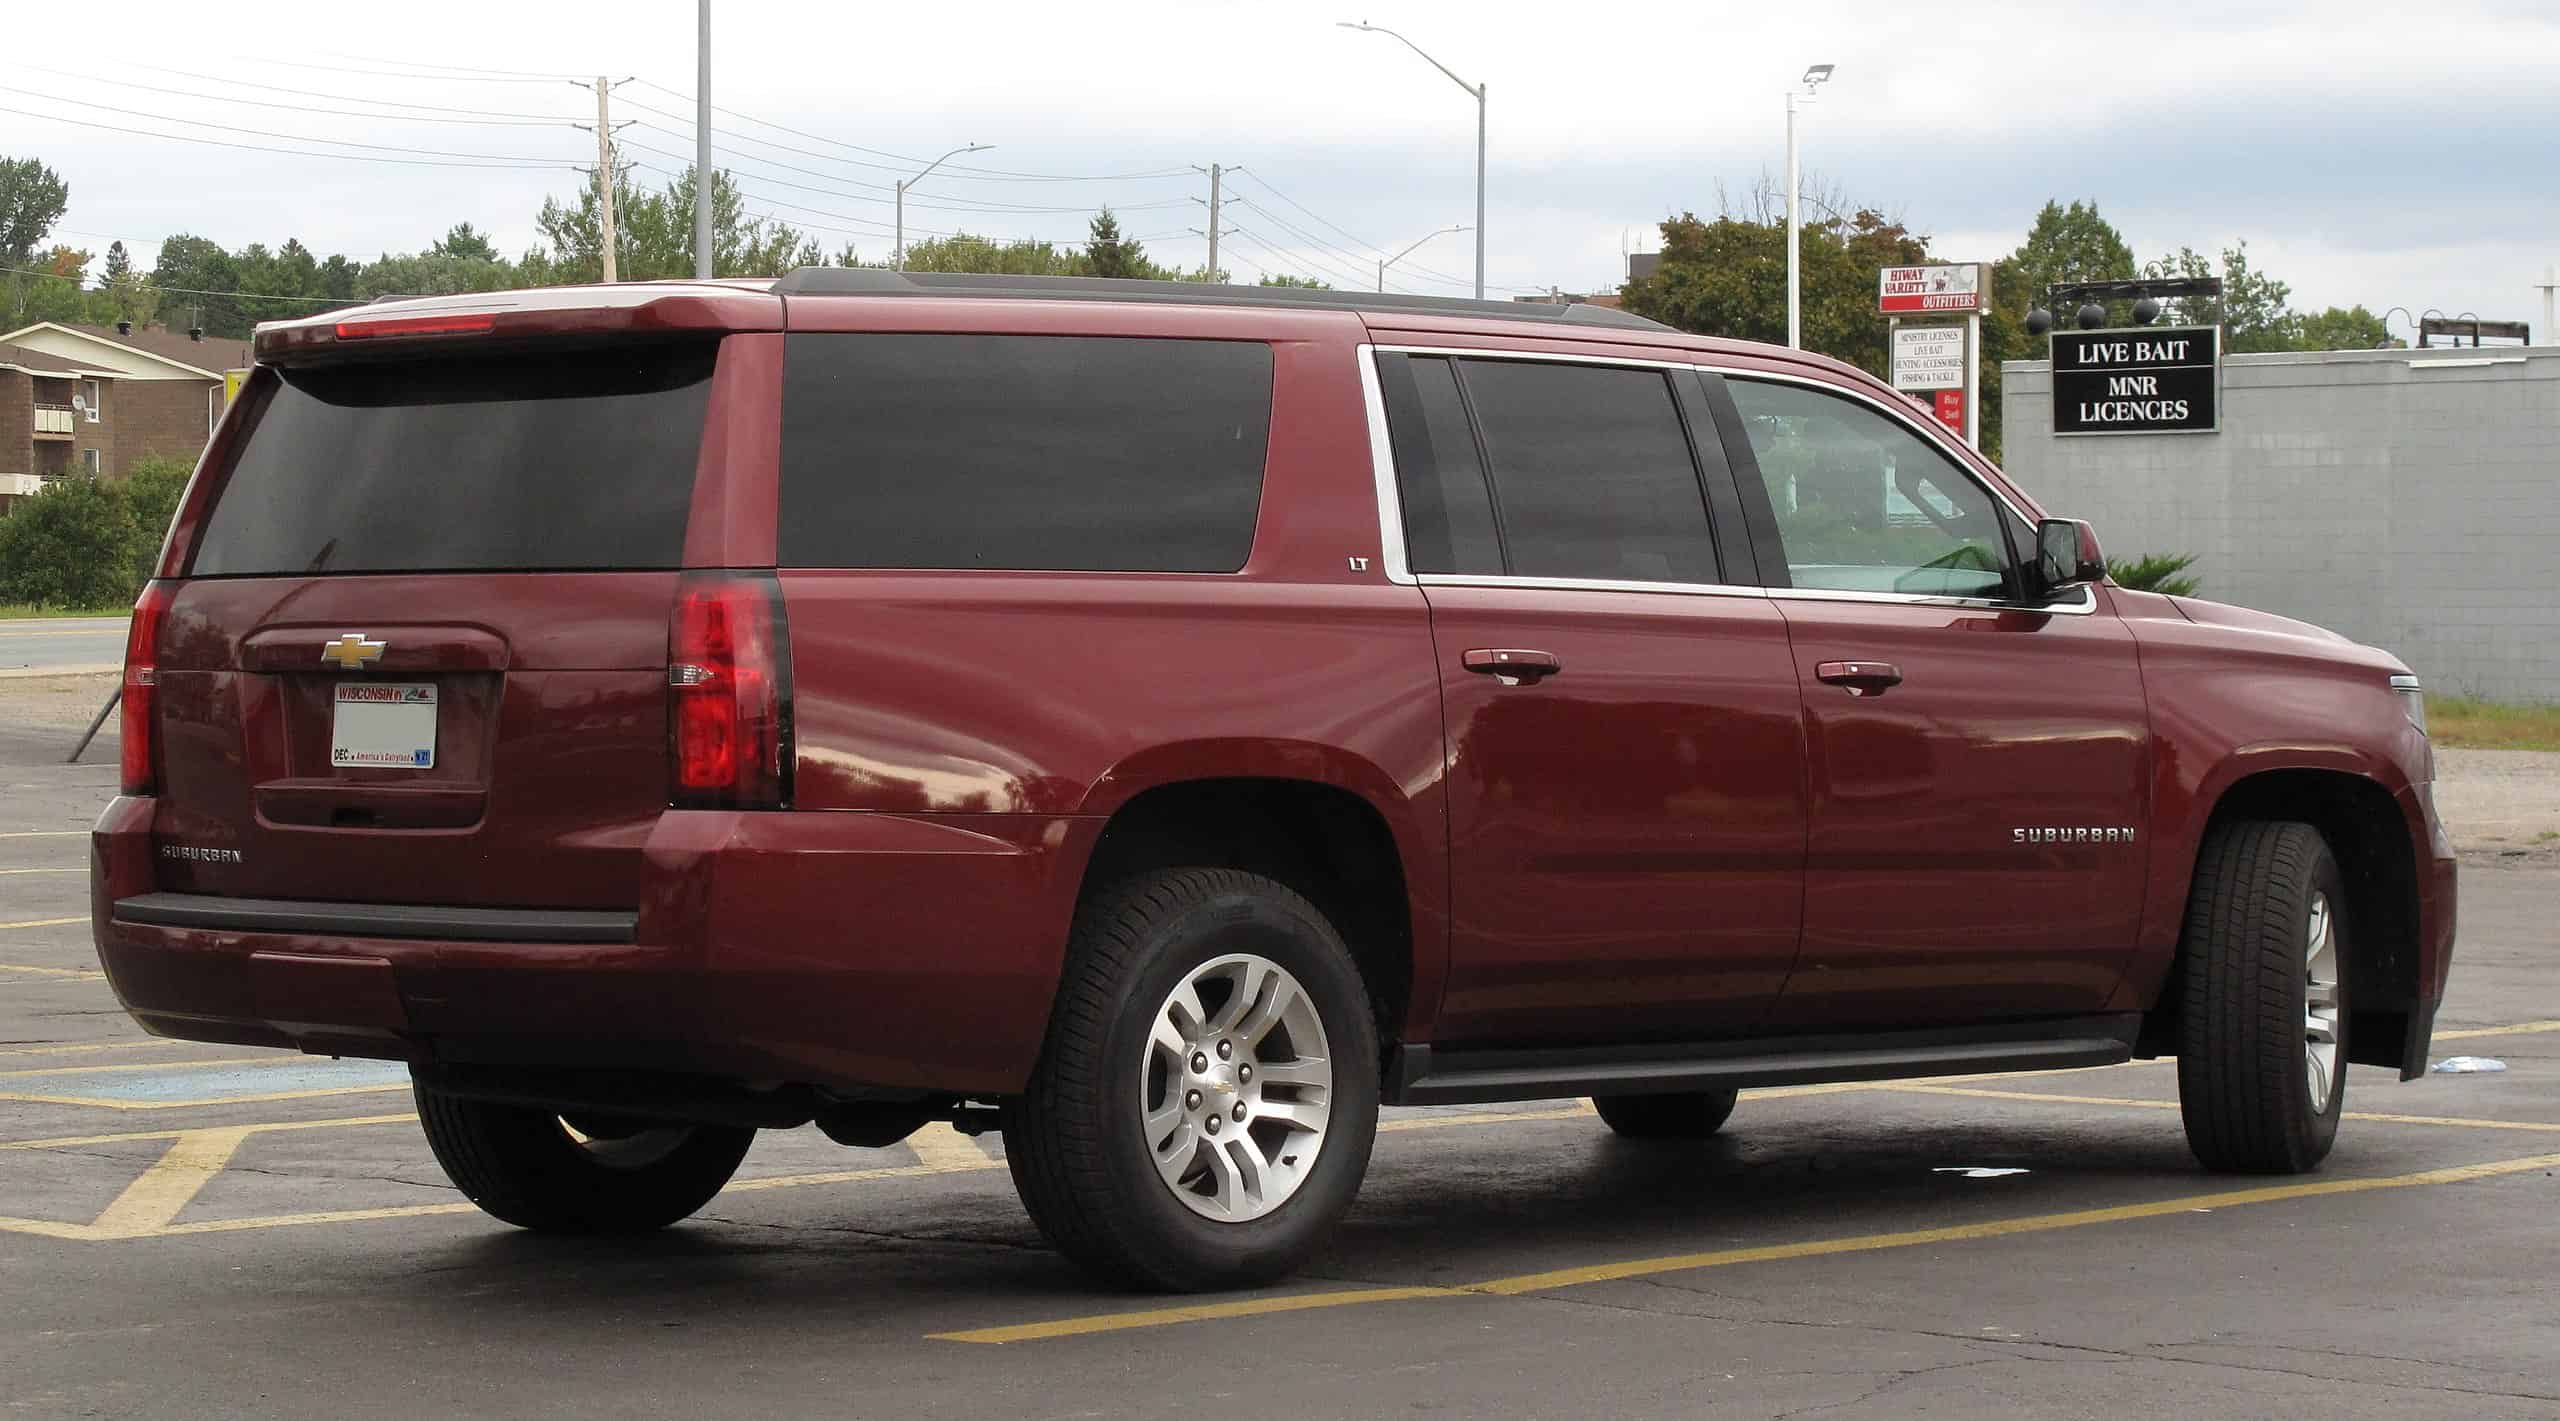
(1685, 1115)
(1207, 1097)
(596, 1175)
(2262, 1055)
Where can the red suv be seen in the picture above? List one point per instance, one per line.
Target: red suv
(1165, 723)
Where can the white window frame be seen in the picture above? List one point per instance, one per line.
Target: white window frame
(90, 462)
(94, 396)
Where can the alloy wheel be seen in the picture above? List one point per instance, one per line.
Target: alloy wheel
(1235, 1089)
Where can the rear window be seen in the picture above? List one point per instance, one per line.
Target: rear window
(1034, 452)
(566, 460)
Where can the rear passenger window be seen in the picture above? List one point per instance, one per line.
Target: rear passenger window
(1448, 508)
(1033, 452)
(1592, 472)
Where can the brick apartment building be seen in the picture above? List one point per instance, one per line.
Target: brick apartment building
(93, 399)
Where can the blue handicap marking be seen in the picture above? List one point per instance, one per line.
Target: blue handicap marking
(212, 1084)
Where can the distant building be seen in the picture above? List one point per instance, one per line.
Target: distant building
(93, 399)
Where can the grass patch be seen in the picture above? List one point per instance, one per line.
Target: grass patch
(24, 612)
(2466, 723)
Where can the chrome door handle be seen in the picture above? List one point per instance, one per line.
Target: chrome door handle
(1514, 667)
(1861, 678)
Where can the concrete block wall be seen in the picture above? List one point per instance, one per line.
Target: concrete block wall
(2409, 499)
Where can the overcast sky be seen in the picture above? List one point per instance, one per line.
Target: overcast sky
(2371, 153)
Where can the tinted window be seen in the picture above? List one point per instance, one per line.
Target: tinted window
(1864, 503)
(564, 460)
(1068, 452)
(1448, 509)
(1593, 473)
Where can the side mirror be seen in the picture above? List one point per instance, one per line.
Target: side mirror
(2067, 556)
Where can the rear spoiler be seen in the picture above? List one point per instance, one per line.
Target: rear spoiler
(541, 313)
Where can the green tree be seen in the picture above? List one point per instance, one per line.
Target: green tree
(32, 199)
(119, 265)
(653, 235)
(965, 252)
(464, 242)
(190, 266)
(1108, 253)
(2251, 309)
(1276, 278)
(70, 546)
(2063, 244)
(1728, 277)
(2341, 328)
(151, 487)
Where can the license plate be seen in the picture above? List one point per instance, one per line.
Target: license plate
(383, 725)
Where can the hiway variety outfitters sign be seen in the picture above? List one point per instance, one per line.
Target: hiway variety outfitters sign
(1955, 287)
(2144, 380)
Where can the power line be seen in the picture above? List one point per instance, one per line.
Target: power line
(955, 169)
(293, 152)
(341, 98)
(456, 68)
(985, 207)
(399, 74)
(510, 158)
(305, 108)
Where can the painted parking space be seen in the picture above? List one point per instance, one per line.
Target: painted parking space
(230, 1082)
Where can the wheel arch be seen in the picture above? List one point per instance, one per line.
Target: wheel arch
(1320, 836)
(2368, 833)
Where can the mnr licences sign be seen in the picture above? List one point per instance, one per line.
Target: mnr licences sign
(2143, 380)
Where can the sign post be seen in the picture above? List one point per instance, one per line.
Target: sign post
(1946, 360)
(2138, 380)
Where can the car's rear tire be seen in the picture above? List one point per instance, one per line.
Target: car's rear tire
(1687, 1115)
(1206, 1100)
(605, 1175)
(2262, 1024)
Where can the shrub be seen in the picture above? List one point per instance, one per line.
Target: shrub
(2156, 572)
(85, 543)
(70, 546)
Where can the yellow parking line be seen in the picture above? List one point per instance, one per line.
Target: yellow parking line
(67, 1142)
(150, 1202)
(75, 1048)
(940, 1146)
(19, 872)
(45, 923)
(151, 1066)
(2528, 1028)
(100, 1103)
(54, 974)
(2464, 1122)
(45, 834)
(1688, 1262)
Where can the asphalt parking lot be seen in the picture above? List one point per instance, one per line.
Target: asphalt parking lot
(215, 1231)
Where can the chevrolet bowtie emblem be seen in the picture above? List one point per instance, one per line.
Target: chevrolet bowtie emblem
(351, 652)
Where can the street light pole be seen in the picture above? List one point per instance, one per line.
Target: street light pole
(1478, 91)
(703, 179)
(1813, 77)
(899, 261)
(1385, 262)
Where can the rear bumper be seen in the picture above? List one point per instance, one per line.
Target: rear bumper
(841, 950)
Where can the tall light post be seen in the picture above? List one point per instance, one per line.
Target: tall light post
(900, 261)
(1385, 262)
(1814, 78)
(1475, 89)
(703, 179)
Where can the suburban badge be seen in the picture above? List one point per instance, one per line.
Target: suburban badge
(2071, 834)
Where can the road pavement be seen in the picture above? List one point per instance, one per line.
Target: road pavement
(217, 1231)
(59, 646)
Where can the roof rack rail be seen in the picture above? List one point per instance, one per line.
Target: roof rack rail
(874, 281)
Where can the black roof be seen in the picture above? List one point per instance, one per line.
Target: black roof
(873, 281)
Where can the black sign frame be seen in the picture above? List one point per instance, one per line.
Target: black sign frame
(2142, 374)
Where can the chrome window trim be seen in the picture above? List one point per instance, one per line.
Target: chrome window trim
(1382, 468)
(1391, 508)
(1591, 584)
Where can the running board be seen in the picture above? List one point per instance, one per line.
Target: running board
(1421, 1075)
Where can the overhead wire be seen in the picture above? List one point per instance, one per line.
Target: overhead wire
(521, 160)
(340, 98)
(493, 122)
(295, 152)
(969, 170)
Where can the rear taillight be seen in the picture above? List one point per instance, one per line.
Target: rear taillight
(142, 685)
(729, 694)
(416, 326)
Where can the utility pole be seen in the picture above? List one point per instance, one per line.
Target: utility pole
(1213, 224)
(609, 240)
(1814, 77)
(604, 169)
(703, 180)
(1477, 91)
(2549, 283)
